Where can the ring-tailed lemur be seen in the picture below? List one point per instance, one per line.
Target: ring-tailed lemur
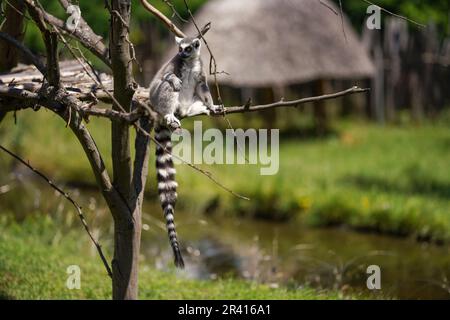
(178, 89)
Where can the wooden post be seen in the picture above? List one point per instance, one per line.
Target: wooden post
(372, 42)
(396, 41)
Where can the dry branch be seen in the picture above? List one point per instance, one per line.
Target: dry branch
(293, 103)
(71, 200)
(28, 55)
(13, 25)
(169, 24)
(395, 15)
(83, 33)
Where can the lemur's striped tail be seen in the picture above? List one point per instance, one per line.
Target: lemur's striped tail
(167, 187)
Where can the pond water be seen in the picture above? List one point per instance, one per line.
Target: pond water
(293, 255)
(279, 254)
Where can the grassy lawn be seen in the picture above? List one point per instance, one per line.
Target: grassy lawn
(392, 180)
(35, 254)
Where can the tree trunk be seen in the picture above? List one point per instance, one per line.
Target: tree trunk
(126, 236)
(126, 257)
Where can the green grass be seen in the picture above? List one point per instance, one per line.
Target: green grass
(35, 254)
(393, 180)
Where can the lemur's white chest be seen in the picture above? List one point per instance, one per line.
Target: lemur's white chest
(189, 77)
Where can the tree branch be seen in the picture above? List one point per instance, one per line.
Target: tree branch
(113, 197)
(130, 117)
(26, 52)
(293, 103)
(172, 27)
(50, 41)
(83, 33)
(20, 94)
(169, 24)
(71, 200)
(140, 167)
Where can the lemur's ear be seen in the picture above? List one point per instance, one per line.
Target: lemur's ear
(178, 40)
(196, 43)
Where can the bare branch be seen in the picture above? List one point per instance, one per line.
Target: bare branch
(342, 20)
(174, 11)
(172, 27)
(293, 103)
(60, 102)
(329, 7)
(50, 41)
(13, 25)
(26, 52)
(71, 200)
(205, 173)
(395, 15)
(115, 201)
(83, 33)
(21, 94)
(140, 167)
(130, 117)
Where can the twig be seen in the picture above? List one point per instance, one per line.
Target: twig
(71, 200)
(172, 27)
(329, 7)
(174, 11)
(342, 20)
(395, 15)
(206, 173)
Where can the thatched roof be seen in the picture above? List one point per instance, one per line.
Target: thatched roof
(280, 42)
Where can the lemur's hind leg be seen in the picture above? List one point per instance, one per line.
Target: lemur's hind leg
(195, 109)
(198, 108)
(168, 108)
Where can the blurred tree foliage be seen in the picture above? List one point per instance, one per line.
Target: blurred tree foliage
(422, 11)
(94, 12)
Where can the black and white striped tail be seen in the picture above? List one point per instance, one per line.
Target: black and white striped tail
(167, 187)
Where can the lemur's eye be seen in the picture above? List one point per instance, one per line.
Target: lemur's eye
(188, 49)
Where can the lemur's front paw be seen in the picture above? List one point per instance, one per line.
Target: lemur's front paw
(177, 84)
(172, 122)
(216, 109)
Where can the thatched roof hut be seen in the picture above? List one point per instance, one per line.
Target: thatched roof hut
(263, 43)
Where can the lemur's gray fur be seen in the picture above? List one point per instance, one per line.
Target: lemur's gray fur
(178, 89)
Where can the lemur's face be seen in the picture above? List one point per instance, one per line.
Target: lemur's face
(188, 47)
